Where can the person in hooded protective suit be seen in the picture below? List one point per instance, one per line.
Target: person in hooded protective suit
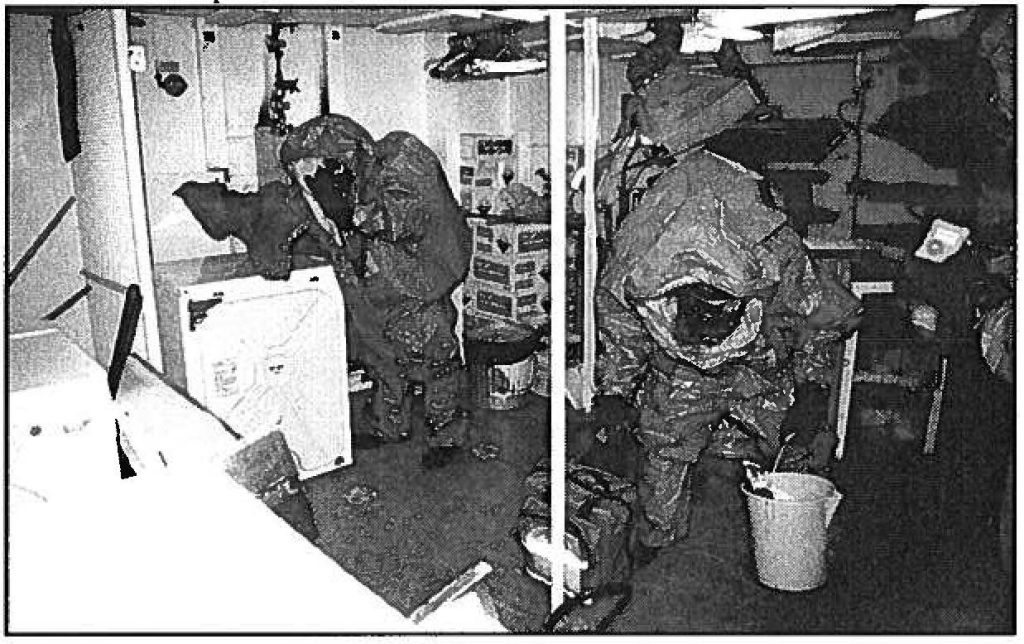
(708, 305)
(383, 214)
(412, 250)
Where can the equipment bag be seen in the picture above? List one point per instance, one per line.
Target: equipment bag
(599, 520)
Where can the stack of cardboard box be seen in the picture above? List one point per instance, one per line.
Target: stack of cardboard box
(510, 271)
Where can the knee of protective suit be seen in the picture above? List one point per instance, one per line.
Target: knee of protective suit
(665, 495)
(680, 437)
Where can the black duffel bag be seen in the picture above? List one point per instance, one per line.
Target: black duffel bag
(599, 521)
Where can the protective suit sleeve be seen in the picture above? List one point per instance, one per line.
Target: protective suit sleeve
(626, 347)
(799, 291)
(803, 293)
(410, 272)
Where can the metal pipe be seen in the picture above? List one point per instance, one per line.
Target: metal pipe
(591, 114)
(22, 263)
(68, 303)
(105, 282)
(136, 192)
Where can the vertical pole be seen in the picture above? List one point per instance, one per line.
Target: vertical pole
(591, 114)
(325, 93)
(845, 391)
(556, 155)
(211, 97)
(143, 260)
(936, 409)
(858, 84)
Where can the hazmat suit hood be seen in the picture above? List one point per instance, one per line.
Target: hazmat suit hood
(330, 136)
(405, 199)
(401, 187)
(701, 223)
(328, 156)
(680, 108)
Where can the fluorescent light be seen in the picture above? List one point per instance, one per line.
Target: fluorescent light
(465, 13)
(510, 67)
(935, 12)
(745, 18)
(526, 15)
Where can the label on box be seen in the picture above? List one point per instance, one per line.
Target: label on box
(489, 302)
(534, 240)
(525, 268)
(489, 147)
(491, 271)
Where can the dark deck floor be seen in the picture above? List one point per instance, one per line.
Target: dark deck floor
(899, 563)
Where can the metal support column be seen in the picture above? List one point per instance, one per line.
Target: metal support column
(591, 114)
(556, 145)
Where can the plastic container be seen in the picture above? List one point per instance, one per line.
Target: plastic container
(538, 544)
(501, 364)
(502, 387)
(789, 530)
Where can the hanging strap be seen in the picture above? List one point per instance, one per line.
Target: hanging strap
(623, 591)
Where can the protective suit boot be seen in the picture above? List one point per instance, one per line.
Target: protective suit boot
(445, 439)
(649, 540)
(373, 436)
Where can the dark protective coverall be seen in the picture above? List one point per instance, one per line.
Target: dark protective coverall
(397, 267)
(418, 249)
(411, 247)
(703, 225)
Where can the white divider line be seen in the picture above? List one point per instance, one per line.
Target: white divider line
(557, 87)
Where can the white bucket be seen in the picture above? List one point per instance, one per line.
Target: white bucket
(538, 543)
(789, 532)
(503, 386)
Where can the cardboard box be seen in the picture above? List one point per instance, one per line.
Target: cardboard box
(485, 301)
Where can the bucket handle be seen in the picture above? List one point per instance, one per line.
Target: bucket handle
(831, 503)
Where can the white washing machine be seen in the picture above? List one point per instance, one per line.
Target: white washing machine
(261, 354)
